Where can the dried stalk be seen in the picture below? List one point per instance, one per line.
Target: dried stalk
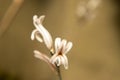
(9, 15)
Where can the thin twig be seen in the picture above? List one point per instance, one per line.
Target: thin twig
(9, 15)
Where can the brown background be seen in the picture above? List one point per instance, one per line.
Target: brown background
(95, 54)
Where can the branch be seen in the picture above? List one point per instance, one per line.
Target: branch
(9, 15)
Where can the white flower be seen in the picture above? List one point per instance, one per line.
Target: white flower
(40, 30)
(61, 47)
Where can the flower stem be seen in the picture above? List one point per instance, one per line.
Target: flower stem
(58, 69)
(59, 73)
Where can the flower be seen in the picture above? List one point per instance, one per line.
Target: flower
(61, 48)
(40, 30)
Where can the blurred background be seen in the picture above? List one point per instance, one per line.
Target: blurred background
(92, 25)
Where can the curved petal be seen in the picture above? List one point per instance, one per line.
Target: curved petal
(38, 37)
(34, 35)
(57, 44)
(53, 58)
(62, 59)
(41, 56)
(63, 43)
(41, 19)
(65, 62)
(47, 38)
(68, 47)
(46, 59)
(58, 61)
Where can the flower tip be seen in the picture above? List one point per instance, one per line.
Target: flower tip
(35, 17)
(38, 55)
(35, 51)
(41, 18)
(32, 37)
(38, 20)
(71, 44)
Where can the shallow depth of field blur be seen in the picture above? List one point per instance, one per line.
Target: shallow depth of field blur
(96, 50)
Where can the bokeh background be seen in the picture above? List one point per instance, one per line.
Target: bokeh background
(94, 31)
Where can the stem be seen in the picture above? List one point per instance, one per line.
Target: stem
(9, 15)
(58, 69)
(59, 72)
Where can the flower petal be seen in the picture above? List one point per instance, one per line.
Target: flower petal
(35, 35)
(53, 58)
(58, 61)
(57, 44)
(41, 18)
(63, 43)
(68, 47)
(44, 33)
(46, 59)
(41, 56)
(62, 60)
(65, 62)
(38, 38)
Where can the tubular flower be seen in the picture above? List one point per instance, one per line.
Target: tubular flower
(61, 48)
(40, 30)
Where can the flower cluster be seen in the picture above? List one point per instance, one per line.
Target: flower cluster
(59, 49)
